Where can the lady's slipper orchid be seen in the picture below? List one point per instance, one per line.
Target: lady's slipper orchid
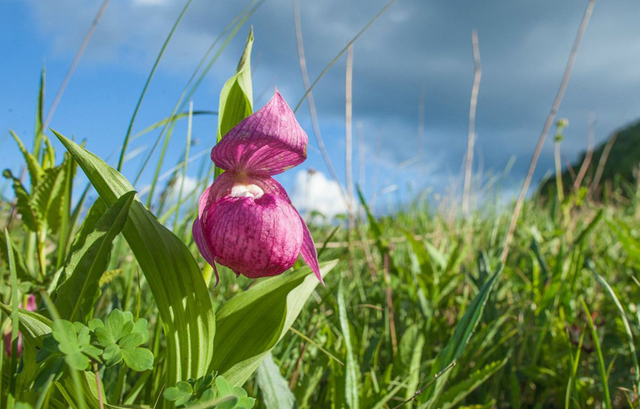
(31, 306)
(246, 220)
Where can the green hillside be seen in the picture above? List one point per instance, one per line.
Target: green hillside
(620, 167)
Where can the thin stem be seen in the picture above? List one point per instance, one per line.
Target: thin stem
(425, 387)
(545, 130)
(477, 68)
(146, 85)
(98, 385)
(559, 186)
(587, 157)
(312, 105)
(353, 40)
(74, 63)
(349, 130)
(601, 164)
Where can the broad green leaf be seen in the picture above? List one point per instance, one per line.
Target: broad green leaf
(79, 292)
(461, 336)
(455, 394)
(236, 97)
(273, 387)
(250, 324)
(352, 378)
(170, 269)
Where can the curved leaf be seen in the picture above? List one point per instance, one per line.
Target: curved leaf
(80, 291)
(250, 324)
(170, 269)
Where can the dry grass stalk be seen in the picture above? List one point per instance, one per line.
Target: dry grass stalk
(349, 130)
(477, 68)
(601, 164)
(587, 157)
(545, 130)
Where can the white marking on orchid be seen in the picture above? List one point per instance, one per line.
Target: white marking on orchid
(246, 190)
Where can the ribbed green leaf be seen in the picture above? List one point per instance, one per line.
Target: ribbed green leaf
(461, 335)
(250, 324)
(170, 269)
(456, 393)
(273, 387)
(352, 379)
(80, 290)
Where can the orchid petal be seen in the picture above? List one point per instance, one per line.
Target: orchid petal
(267, 142)
(203, 246)
(254, 237)
(308, 250)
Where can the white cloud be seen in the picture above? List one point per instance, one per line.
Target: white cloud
(313, 191)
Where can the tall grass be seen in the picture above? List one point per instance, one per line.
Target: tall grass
(420, 309)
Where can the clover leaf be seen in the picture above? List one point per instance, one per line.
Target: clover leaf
(121, 339)
(74, 341)
(222, 395)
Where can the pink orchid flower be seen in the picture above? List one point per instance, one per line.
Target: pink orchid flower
(31, 306)
(246, 220)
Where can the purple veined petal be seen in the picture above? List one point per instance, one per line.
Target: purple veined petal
(267, 142)
(255, 237)
(203, 247)
(221, 186)
(308, 249)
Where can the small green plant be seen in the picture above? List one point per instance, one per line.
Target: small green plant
(118, 340)
(209, 391)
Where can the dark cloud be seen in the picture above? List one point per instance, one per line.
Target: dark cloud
(416, 47)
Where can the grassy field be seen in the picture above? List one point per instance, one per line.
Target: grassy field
(417, 311)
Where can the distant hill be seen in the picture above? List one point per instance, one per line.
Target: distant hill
(620, 167)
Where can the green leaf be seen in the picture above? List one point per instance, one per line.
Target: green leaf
(236, 97)
(79, 292)
(22, 270)
(274, 388)
(625, 322)
(112, 355)
(35, 327)
(352, 378)
(461, 336)
(226, 389)
(414, 369)
(23, 202)
(262, 314)
(37, 140)
(47, 196)
(179, 394)
(69, 344)
(35, 171)
(138, 359)
(456, 393)
(173, 275)
(121, 339)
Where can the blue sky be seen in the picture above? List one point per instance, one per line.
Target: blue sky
(418, 46)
